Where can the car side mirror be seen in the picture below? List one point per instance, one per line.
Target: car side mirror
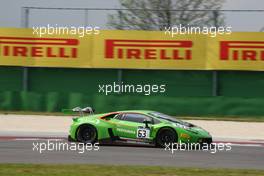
(146, 122)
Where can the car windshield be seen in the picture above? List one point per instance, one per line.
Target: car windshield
(169, 118)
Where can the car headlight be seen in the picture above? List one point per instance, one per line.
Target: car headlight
(185, 127)
(181, 126)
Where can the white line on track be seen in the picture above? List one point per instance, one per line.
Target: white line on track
(248, 145)
(25, 139)
(36, 139)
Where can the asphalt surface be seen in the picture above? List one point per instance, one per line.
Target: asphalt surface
(21, 151)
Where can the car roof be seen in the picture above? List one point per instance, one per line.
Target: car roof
(136, 111)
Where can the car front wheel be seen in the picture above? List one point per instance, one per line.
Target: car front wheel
(166, 136)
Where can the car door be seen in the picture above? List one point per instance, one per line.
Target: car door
(130, 125)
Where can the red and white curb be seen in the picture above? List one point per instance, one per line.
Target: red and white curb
(243, 143)
(30, 138)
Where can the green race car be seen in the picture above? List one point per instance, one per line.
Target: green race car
(134, 126)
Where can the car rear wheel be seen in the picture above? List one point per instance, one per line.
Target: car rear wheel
(87, 134)
(166, 136)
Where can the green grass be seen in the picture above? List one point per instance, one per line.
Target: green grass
(99, 170)
(224, 118)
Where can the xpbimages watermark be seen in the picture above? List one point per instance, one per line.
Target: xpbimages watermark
(212, 31)
(56, 145)
(145, 89)
(212, 147)
(81, 31)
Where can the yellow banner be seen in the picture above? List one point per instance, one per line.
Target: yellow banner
(238, 51)
(149, 50)
(133, 49)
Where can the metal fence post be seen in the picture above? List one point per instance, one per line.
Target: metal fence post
(86, 17)
(25, 21)
(120, 71)
(215, 73)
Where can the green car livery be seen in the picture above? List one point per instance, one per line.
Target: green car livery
(134, 126)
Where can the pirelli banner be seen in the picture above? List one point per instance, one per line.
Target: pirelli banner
(133, 49)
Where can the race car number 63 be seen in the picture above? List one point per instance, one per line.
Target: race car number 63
(143, 133)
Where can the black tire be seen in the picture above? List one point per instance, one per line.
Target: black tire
(166, 136)
(86, 134)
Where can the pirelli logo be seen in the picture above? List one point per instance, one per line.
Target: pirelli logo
(38, 47)
(148, 49)
(242, 50)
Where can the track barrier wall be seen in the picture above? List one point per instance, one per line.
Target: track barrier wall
(188, 93)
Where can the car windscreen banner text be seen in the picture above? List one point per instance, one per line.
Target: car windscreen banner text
(133, 49)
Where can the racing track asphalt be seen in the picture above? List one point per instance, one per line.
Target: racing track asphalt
(21, 151)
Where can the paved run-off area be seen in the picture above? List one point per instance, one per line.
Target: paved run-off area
(32, 125)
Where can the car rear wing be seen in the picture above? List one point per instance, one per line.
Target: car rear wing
(81, 111)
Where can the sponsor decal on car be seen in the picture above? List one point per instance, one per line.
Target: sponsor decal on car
(184, 135)
(126, 130)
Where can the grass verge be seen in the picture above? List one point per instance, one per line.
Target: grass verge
(99, 170)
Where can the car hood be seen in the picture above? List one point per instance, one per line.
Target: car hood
(190, 127)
